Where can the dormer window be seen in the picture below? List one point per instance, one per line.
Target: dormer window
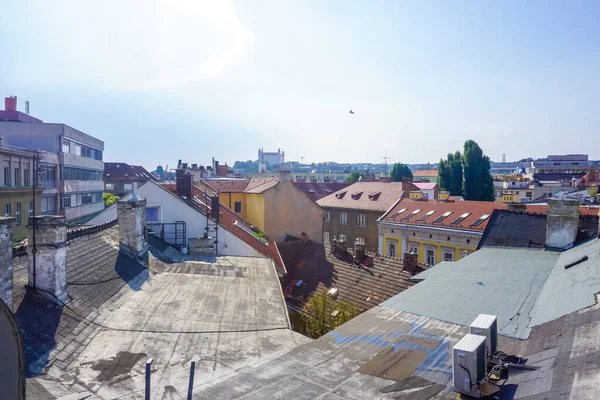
(374, 196)
(356, 195)
(340, 195)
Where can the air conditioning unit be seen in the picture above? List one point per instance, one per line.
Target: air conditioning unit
(468, 364)
(486, 325)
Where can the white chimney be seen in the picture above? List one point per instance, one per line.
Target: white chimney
(562, 223)
(6, 262)
(131, 215)
(48, 264)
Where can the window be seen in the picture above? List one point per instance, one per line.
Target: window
(153, 214)
(361, 220)
(328, 216)
(128, 186)
(360, 240)
(66, 146)
(413, 248)
(7, 212)
(47, 176)
(30, 209)
(77, 149)
(430, 257)
(398, 213)
(238, 206)
(109, 186)
(17, 181)
(6, 176)
(81, 174)
(448, 255)
(48, 205)
(391, 250)
(26, 180)
(342, 238)
(343, 218)
(412, 214)
(86, 198)
(480, 220)
(529, 195)
(66, 201)
(442, 217)
(18, 213)
(460, 219)
(422, 218)
(326, 237)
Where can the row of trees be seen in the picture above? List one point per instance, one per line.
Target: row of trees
(467, 174)
(398, 172)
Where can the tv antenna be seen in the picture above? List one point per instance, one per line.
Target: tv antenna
(385, 158)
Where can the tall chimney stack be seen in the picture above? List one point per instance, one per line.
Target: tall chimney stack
(10, 103)
(48, 266)
(562, 223)
(6, 262)
(131, 216)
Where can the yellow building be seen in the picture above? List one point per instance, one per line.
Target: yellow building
(437, 230)
(274, 205)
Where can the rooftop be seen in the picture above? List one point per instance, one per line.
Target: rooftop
(425, 185)
(122, 313)
(115, 170)
(317, 190)
(311, 268)
(369, 196)
(426, 172)
(233, 185)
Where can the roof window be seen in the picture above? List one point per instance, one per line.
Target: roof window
(460, 219)
(480, 220)
(442, 217)
(412, 214)
(356, 195)
(424, 217)
(398, 213)
(340, 195)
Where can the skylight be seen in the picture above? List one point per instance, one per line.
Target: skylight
(460, 219)
(443, 216)
(480, 220)
(426, 215)
(398, 213)
(412, 214)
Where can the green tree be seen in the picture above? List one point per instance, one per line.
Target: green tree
(450, 173)
(323, 314)
(353, 177)
(109, 199)
(400, 171)
(478, 183)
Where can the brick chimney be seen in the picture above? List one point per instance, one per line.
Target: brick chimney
(10, 103)
(131, 215)
(6, 262)
(562, 223)
(359, 252)
(411, 262)
(48, 266)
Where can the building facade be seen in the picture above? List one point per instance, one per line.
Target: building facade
(435, 230)
(430, 175)
(16, 190)
(351, 214)
(78, 175)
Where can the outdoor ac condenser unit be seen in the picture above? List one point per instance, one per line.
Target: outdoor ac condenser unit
(468, 364)
(486, 325)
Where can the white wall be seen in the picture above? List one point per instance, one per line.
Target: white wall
(174, 209)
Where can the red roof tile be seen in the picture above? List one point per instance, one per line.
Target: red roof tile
(227, 185)
(425, 185)
(426, 172)
(318, 190)
(369, 196)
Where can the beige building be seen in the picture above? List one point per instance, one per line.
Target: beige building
(16, 196)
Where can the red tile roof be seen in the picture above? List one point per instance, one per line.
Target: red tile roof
(116, 170)
(474, 209)
(312, 268)
(228, 219)
(259, 185)
(318, 190)
(425, 185)
(369, 196)
(426, 172)
(227, 185)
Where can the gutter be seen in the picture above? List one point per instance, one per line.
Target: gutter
(435, 228)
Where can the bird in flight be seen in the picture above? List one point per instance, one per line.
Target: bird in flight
(351, 112)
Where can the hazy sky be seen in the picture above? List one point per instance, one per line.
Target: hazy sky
(158, 81)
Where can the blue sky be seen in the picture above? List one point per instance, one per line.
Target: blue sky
(159, 81)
